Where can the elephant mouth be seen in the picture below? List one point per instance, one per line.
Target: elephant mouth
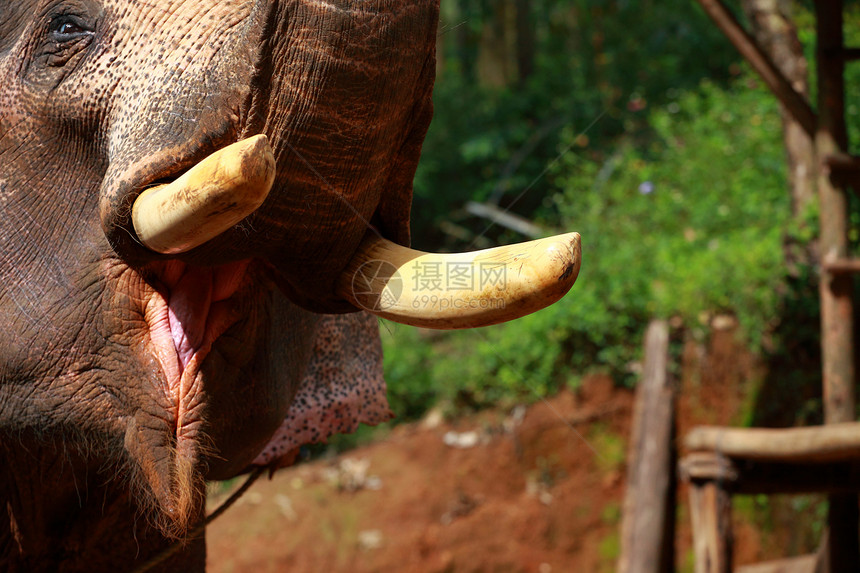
(193, 305)
(186, 311)
(191, 308)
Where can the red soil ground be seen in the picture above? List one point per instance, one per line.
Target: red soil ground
(540, 491)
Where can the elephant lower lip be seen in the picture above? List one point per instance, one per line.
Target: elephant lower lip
(186, 309)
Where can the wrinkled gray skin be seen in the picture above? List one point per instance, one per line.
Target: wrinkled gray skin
(104, 442)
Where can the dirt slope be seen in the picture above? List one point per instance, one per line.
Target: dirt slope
(538, 490)
(534, 490)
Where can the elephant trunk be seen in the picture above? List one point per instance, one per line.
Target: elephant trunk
(342, 91)
(348, 108)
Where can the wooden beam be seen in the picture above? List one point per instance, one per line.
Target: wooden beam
(837, 266)
(700, 466)
(833, 442)
(739, 476)
(843, 169)
(711, 478)
(849, 54)
(796, 104)
(842, 163)
(647, 530)
(802, 564)
(795, 478)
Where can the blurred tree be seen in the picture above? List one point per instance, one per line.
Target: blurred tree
(513, 75)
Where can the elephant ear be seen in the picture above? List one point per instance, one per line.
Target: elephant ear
(342, 387)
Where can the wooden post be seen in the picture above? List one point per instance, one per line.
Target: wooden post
(837, 337)
(648, 526)
(710, 476)
(836, 290)
(710, 510)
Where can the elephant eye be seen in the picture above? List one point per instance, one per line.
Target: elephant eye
(67, 28)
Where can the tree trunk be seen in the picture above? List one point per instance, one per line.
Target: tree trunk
(497, 64)
(525, 41)
(777, 34)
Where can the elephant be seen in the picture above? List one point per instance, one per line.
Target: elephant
(128, 376)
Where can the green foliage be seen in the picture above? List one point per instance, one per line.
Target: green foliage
(609, 550)
(789, 525)
(408, 370)
(692, 224)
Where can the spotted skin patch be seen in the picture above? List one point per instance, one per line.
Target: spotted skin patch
(342, 387)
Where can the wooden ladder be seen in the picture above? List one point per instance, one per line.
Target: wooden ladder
(724, 461)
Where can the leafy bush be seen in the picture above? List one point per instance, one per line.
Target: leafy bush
(695, 222)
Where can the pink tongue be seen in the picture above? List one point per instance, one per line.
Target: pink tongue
(188, 309)
(195, 309)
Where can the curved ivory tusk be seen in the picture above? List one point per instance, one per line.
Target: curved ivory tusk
(460, 290)
(207, 199)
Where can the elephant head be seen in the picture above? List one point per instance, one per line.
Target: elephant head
(129, 376)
